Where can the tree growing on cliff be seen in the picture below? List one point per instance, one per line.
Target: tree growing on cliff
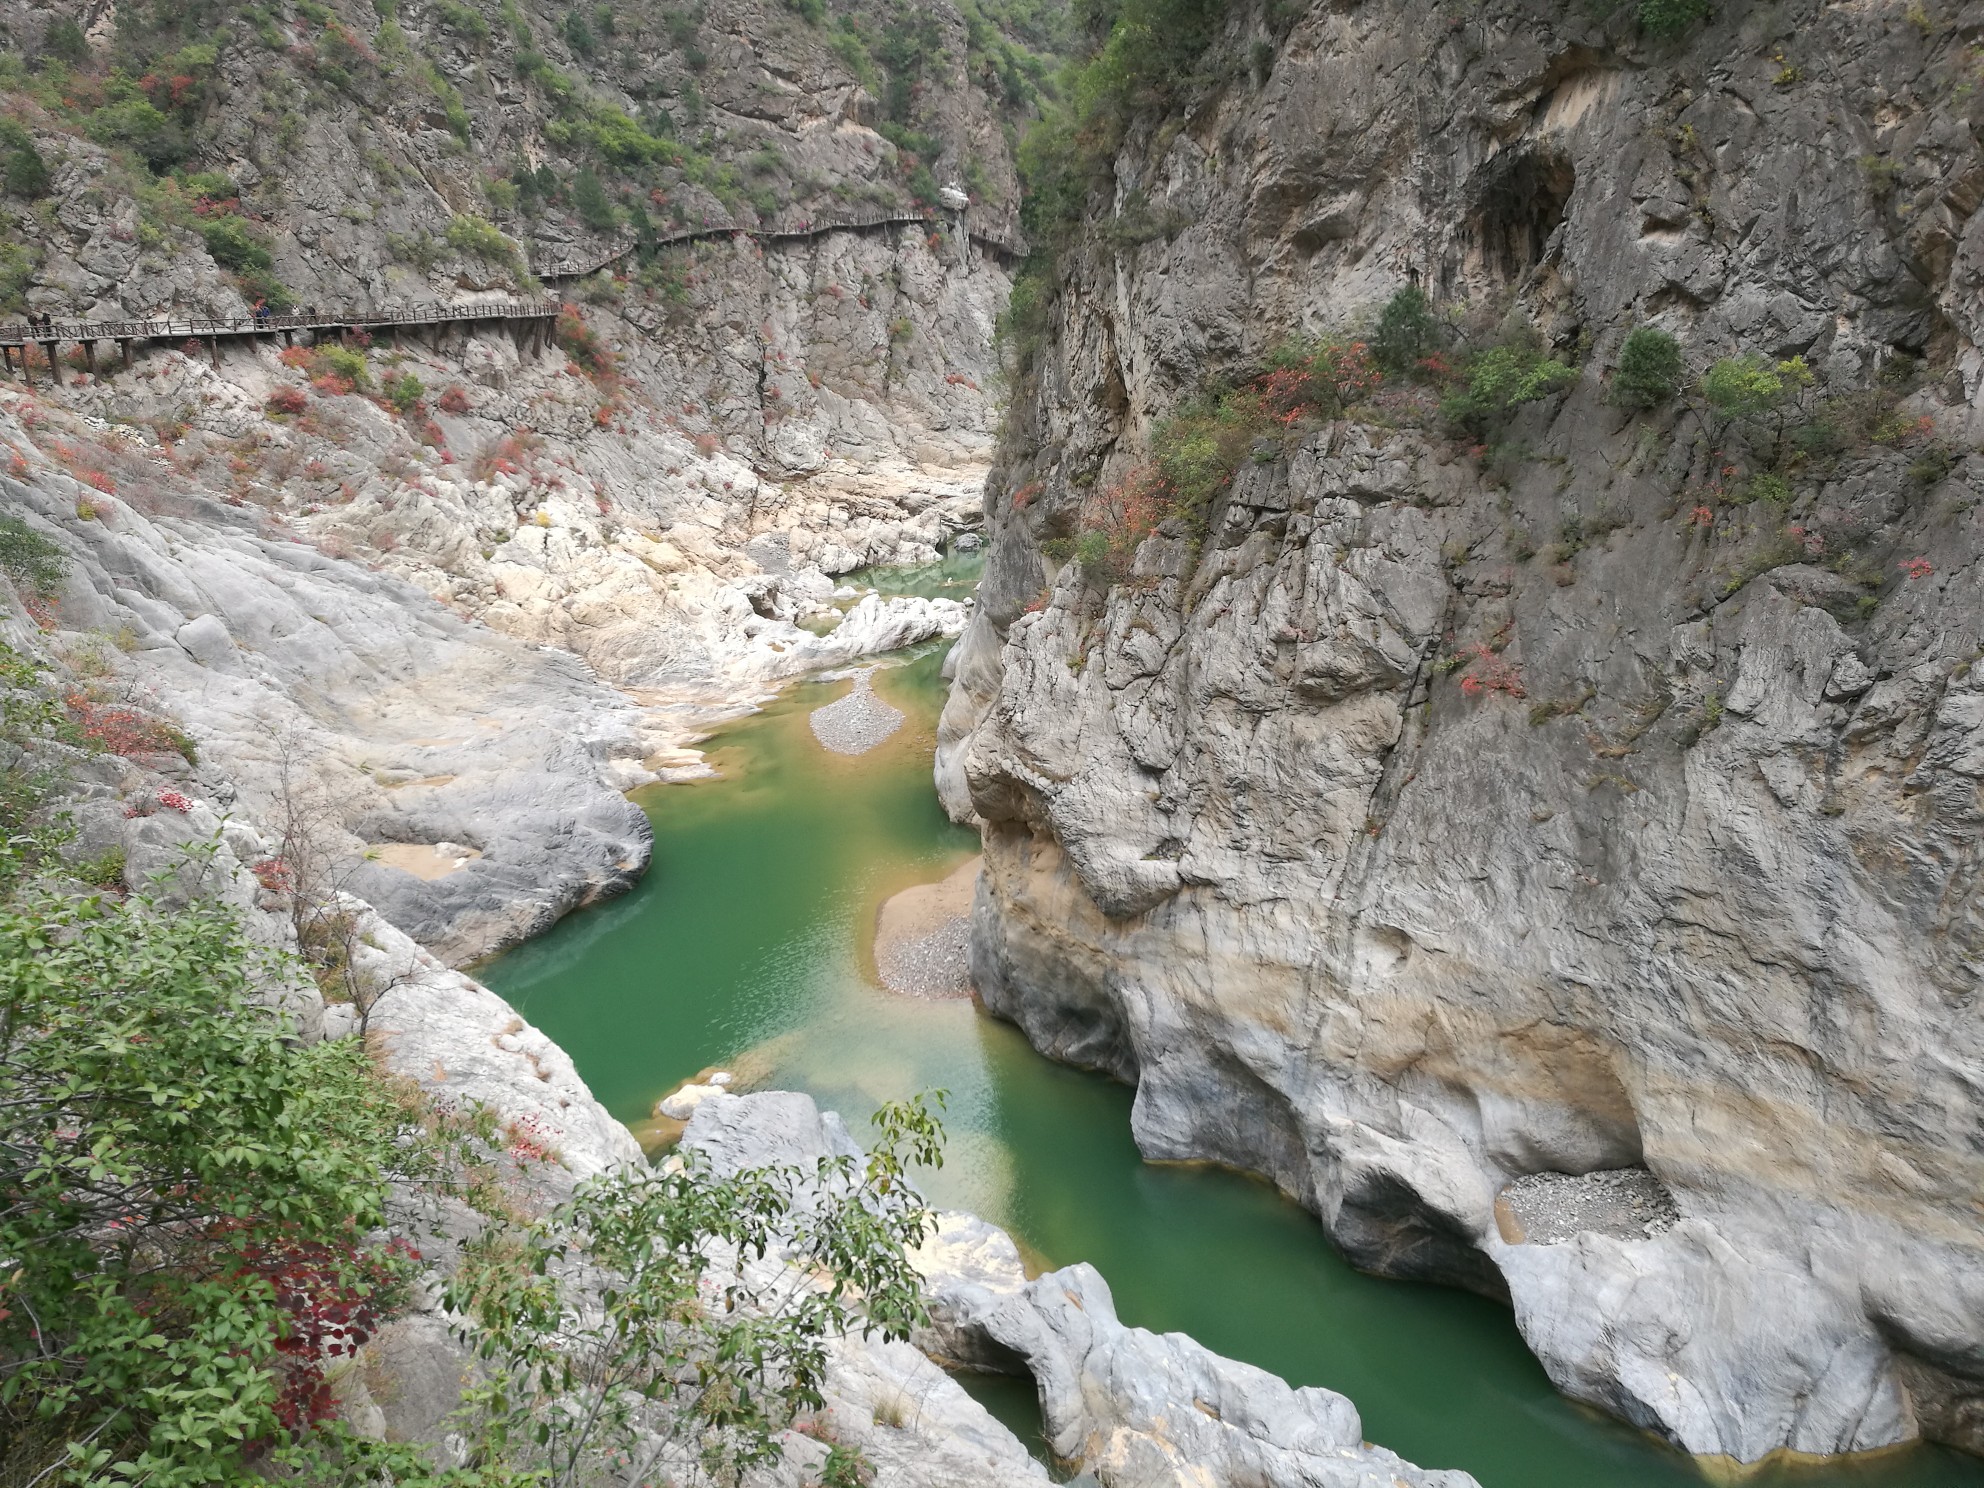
(1407, 332)
(1649, 370)
(1753, 389)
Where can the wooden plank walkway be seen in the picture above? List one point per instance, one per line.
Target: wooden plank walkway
(619, 249)
(529, 320)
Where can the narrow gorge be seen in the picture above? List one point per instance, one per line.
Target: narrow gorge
(610, 610)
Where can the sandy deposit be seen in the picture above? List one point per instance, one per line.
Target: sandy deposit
(923, 937)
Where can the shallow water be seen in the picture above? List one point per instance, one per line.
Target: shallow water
(746, 948)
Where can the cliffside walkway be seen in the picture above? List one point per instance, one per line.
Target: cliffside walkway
(578, 268)
(530, 321)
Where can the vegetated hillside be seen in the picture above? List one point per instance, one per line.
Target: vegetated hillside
(1474, 703)
(204, 156)
(717, 429)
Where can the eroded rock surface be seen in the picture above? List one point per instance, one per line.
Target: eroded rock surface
(1128, 1406)
(1402, 860)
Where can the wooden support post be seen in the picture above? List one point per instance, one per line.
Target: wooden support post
(213, 351)
(8, 353)
(89, 356)
(124, 350)
(54, 367)
(288, 336)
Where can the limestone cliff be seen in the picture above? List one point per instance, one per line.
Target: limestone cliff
(480, 587)
(1596, 926)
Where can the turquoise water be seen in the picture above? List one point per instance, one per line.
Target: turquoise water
(747, 947)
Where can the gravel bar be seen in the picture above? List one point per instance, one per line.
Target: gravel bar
(856, 723)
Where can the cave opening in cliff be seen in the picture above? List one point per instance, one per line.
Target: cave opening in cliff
(1522, 205)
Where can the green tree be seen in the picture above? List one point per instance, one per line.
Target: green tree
(64, 41)
(589, 196)
(1751, 386)
(1407, 331)
(1649, 370)
(25, 172)
(578, 35)
(655, 1379)
(184, 1192)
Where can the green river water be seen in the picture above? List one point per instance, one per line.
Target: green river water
(746, 947)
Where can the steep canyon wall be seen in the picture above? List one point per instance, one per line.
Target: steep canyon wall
(1594, 924)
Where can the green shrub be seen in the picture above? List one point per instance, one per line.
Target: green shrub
(263, 286)
(403, 390)
(186, 1183)
(1649, 370)
(1668, 18)
(136, 125)
(1496, 381)
(1407, 332)
(34, 563)
(465, 22)
(24, 172)
(578, 35)
(813, 12)
(16, 276)
(475, 238)
(234, 244)
(589, 197)
(341, 362)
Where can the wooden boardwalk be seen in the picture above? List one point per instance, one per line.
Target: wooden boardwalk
(578, 268)
(529, 321)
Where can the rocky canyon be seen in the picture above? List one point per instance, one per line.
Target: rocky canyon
(1532, 820)
(1472, 707)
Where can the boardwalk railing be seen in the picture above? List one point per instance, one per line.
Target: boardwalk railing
(531, 317)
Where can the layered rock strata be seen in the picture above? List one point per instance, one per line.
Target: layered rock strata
(1411, 865)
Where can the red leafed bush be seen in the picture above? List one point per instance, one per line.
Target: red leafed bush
(1487, 673)
(287, 401)
(274, 874)
(332, 1299)
(124, 731)
(454, 400)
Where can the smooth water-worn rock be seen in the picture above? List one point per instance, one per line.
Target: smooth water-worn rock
(1446, 817)
(1135, 1407)
(1128, 1406)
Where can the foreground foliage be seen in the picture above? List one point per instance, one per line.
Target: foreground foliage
(185, 1194)
(202, 1215)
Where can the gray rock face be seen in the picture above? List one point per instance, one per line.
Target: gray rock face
(1404, 864)
(317, 687)
(1127, 1406)
(1137, 1407)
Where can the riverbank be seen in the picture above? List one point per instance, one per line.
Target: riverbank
(747, 949)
